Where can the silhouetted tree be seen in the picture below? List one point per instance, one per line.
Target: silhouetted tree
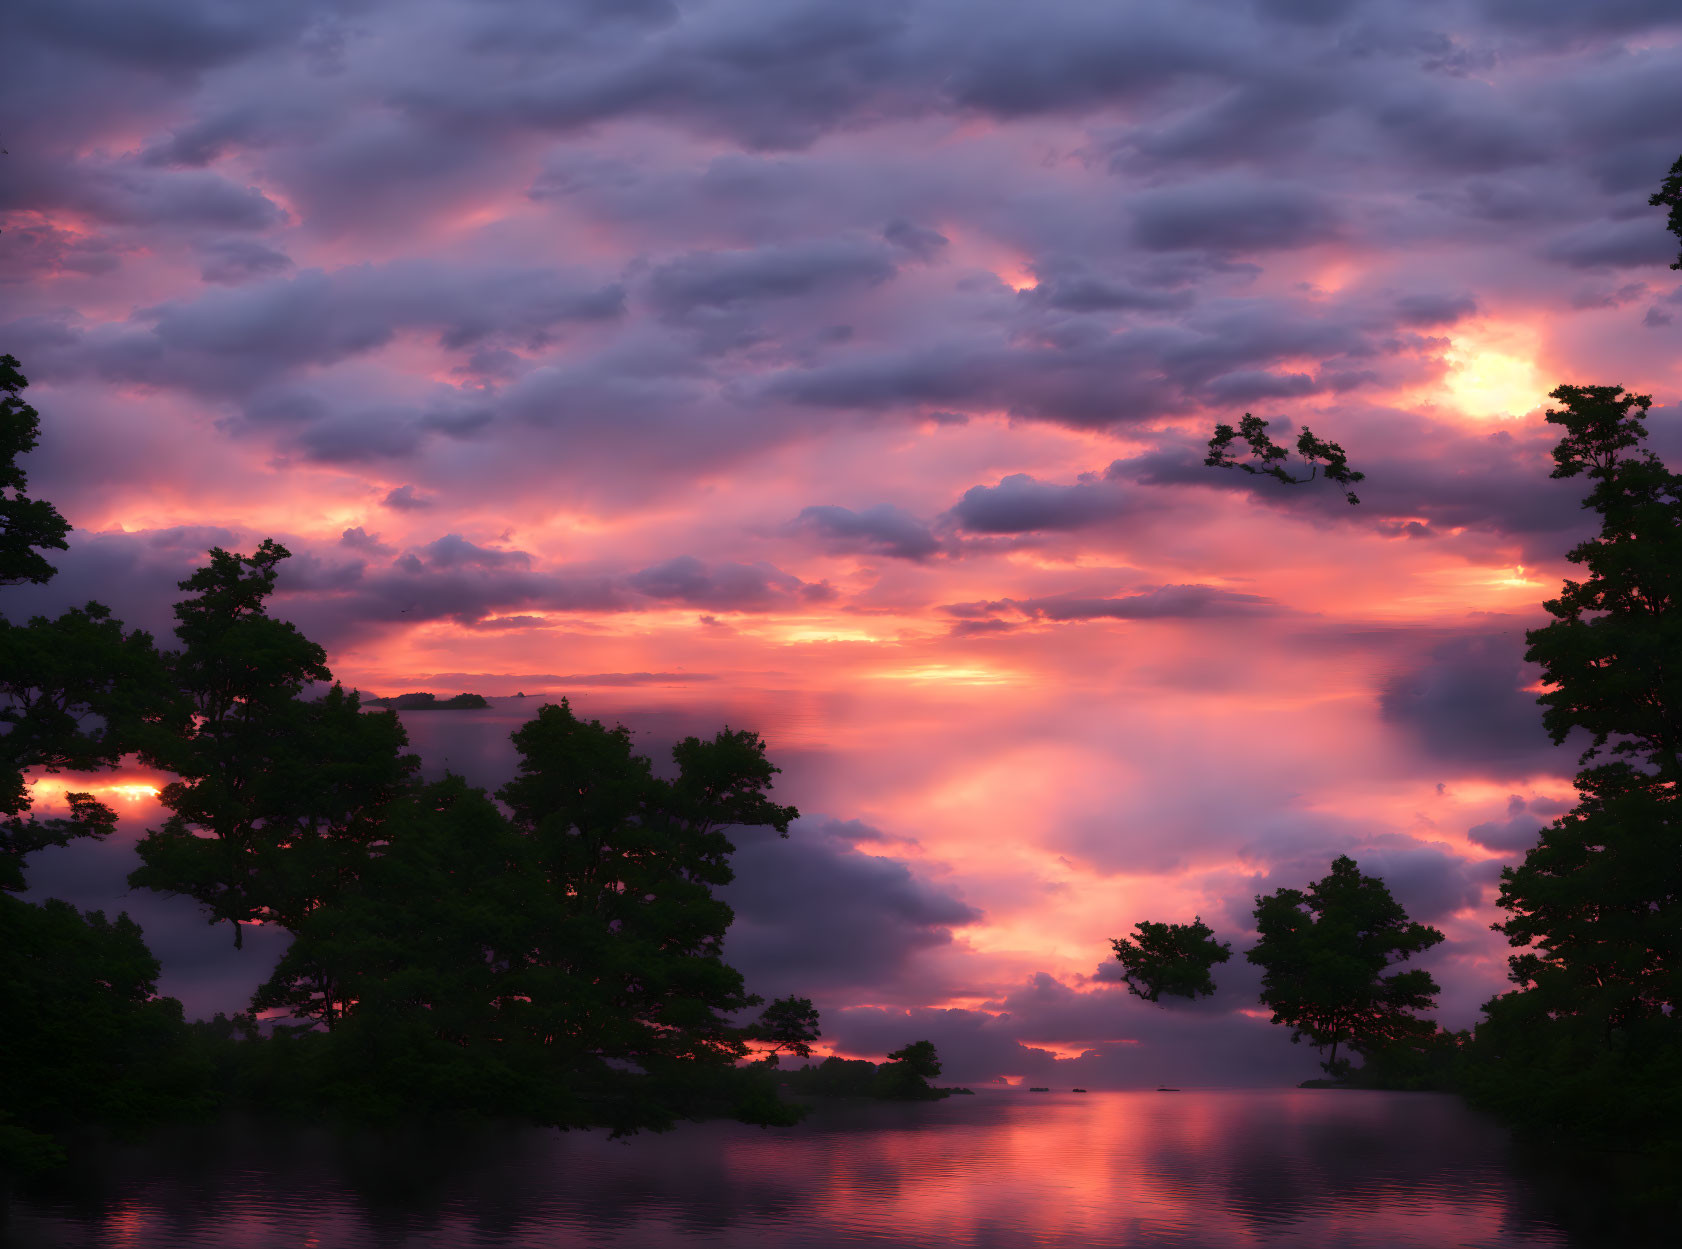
(78, 690)
(1669, 195)
(1324, 953)
(787, 1024)
(907, 1072)
(1175, 959)
(27, 526)
(84, 1036)
(1317, 456)
(634, 934)
(1592, 1038)
(276, 795)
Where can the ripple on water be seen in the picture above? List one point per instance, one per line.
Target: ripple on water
(994, 1171)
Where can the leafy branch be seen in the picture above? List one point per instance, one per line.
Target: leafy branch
(1318, 456)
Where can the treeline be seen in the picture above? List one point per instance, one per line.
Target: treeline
(904, 1076)
(551, 952)
(1586, 1049)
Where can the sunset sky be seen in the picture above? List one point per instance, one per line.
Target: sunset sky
(841, 369)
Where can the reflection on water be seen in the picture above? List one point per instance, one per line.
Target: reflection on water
(999, 1170)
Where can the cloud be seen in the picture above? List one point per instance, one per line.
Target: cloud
(1177, 602)
(1519, 831)
(882, 529)
(1464, 704)
(819, 917)
(230, 341)
(729, 279)
(1233, 217)
(406, 499)
(454, 551)
(725, 586)
(1641, 242)
(1021, 504)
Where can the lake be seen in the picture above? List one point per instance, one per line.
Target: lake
(1327, 1169)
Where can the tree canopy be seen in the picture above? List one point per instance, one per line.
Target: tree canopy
(1324, 954)
(27, 526)
(1175, 959)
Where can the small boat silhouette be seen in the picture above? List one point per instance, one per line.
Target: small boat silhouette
(1038, 1089)
(1077, 1090)
(1163, 1088)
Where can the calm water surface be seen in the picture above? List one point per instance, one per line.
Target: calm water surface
(1332, 1170)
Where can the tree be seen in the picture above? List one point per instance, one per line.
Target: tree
(1669, 195)
(86, 1036)
(907, 1072)
(788, 1023)
(276, 796)
(1597, 904)
(1316, 455)
(78, 691)
(919, 1058)
(1591, 1038)
(1324, 953)
(1170, 958)
(27, 526)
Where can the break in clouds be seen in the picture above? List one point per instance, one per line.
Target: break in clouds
(843, 371)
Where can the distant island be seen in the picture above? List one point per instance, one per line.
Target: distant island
(431, 702)
(905, 1077)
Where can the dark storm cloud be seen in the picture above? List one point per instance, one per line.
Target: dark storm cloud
(1640, 242)
(1464, 705)
(1568, 17)
(1169, 602)
(1233, 217)
(228, 342)
(359, 539)
(455, 551)
(126, 193)
(165, 35)
(405, 499)
(229, 262)
(1020, 504)
(726, 279)
(1067, 285)
(1516, 834)
(723, 586)
(1427, 311)
(880, 530)
(921, 242)
(817, 917)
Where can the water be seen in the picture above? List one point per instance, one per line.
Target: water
(1331, 1170)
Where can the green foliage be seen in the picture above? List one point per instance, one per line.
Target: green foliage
(1324, 953)
(1317, 456)
(1669, 195)
(1175, 959)
(27, 526)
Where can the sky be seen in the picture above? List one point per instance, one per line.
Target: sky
(841, 370)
